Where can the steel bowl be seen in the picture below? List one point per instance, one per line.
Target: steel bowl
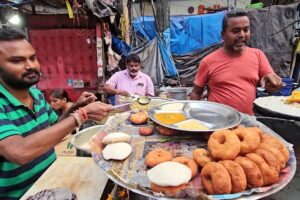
(82, 138)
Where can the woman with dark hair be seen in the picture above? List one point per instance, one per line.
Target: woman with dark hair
(60, 101)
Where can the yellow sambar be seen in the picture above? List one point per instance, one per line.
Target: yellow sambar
(169, 118)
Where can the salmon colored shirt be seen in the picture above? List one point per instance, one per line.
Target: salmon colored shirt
(232, 80)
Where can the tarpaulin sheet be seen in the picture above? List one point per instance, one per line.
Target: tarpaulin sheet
(168, 62)
(120, 47)
(152, 61)
(188, 33)
(277, 47)
(187, 64)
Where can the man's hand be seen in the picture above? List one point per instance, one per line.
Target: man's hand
(96, 142)
(197, 93)
(123, 93)
(272, 83)
(98, 110)
(84, 99)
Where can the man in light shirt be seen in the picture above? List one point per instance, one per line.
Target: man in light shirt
(130, 81)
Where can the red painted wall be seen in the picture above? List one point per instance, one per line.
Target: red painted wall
(67, 58)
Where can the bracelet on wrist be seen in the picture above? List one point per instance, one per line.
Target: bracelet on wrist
(77, 119)
(84, 113)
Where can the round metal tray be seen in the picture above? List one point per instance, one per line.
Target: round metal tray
(266, 106)
(131, 173)
(214, 116)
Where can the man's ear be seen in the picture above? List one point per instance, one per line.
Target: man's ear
(222, 35)
(64, 99)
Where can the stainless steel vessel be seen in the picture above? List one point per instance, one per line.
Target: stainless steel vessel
(212, 115)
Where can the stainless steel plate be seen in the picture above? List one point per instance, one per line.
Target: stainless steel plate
(214, 116)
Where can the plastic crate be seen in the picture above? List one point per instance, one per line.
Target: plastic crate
(287, 89)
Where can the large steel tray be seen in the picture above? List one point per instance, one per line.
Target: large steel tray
(214, 116)
(131, 173)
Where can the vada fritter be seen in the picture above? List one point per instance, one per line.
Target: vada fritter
(253, 173)
(235, 160)
(224, 145)
(273, 141)
(157, 156)
(237, 175)
(269, 174)
(166, 131)
(261, 157)
(216, 179)
(249, 138)
(190, 163)
(281, 159)
(202, 157)
(139, 118)
(168, 190)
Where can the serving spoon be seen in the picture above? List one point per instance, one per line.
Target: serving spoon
(144, 100)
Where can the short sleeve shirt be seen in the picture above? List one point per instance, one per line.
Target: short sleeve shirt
(140, 85)
(232, 80)
(18, 119)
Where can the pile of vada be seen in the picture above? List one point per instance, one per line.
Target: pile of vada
(235, 161)
(250, 157)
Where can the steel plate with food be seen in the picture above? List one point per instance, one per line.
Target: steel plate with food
(280, 106)
(153, 101)
(150, 165)
(195, 116)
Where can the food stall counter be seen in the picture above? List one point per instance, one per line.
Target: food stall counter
(79, 174)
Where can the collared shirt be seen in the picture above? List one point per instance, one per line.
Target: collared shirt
(141, 84)
(17, 119)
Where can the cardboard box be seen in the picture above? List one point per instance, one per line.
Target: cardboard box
(65, 148)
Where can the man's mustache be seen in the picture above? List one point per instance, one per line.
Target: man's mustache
(30, 71)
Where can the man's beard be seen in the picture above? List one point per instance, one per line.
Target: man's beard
(133, 73)
(13, 82)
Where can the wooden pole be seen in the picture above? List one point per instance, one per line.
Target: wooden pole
(126, 21)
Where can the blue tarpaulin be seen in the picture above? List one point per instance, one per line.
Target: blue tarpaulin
(187, 33)
(168, 62)
(145, 26)
(120, 47)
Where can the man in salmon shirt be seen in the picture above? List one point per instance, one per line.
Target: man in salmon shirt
(130, 81)
(232, 72)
